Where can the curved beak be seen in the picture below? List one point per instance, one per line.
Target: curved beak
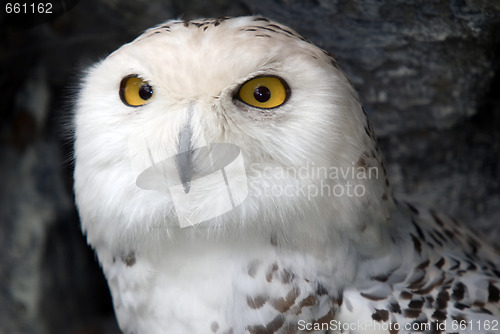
(184, 158)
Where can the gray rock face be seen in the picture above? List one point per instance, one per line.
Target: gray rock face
(427, 73)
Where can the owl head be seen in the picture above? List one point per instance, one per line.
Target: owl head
(217, 127)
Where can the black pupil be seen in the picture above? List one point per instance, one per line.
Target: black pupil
(145, 92)
(262, 94)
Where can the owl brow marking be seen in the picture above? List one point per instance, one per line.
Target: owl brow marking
(279, 31)
(260, 18)
(284, 30)
(198, 24)
(265, 28)
(278, 27)
(187, 23)
(218, 20)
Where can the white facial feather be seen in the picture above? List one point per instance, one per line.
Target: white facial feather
(199, 71)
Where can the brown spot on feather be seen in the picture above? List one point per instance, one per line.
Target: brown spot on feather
(423, 265)
(440, 263)
(436, 240)
(272, 327)
(449, 234)
(442, 299)
(394, 307)
(308, 301)
(439, 315)
(459, 317)
(371, 297)
(129, 260)
(361, 163)
(416, 303)
(252, 268)
(436, 218)
(430, 287)
(340, 300)
(270, 272)
(321, 290)
(412, 313)
(456, 265)
(440, 235)
(286, 276)
(478, 303)
(485, 311)
(380, 315)
(418, 229)
(381, 278)
(460, 306)
(458, 291)
(493, 293)
(283, 304)
(416, 243)
(406, 295)
(256, 302)
(326, 318)
(418, 281)
(274, 241)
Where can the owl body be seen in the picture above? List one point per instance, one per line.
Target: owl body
(239, 287)
(230, 182)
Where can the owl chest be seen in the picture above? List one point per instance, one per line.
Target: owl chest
(221, 290)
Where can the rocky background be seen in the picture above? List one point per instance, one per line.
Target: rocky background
(427, 72)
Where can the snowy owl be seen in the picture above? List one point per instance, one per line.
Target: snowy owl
(230, 182)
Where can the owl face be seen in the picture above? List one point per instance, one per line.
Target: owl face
(194, 115)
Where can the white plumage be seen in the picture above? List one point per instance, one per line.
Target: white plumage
(229, 181)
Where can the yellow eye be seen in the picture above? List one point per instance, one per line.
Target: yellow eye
(134, 91)
(264, 92)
